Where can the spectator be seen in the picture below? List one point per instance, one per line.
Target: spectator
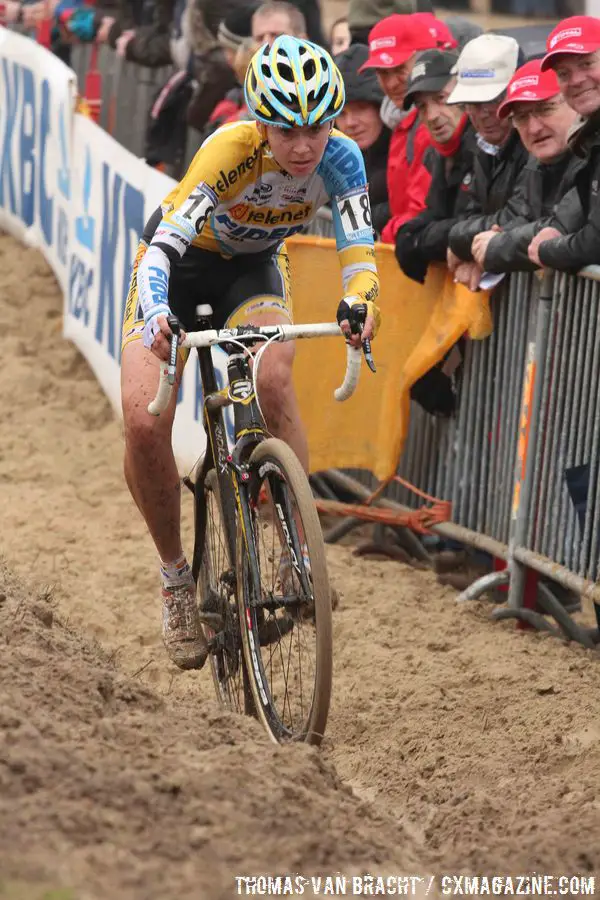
(361, 121)
(573, 238)
(363, 15)
(272, 19)
(543, 120)
(140, 32)
(393, 46)
(339, 36)
(235, 37)
(212, 72)
(424, 238)
(484, 69)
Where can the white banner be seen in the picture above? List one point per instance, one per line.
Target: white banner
(68, 188)
(37, 97)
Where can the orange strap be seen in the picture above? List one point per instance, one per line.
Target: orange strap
(419, 520)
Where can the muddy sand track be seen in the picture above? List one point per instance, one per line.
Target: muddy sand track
(454, 744)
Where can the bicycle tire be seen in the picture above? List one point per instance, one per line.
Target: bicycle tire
(273, 459)
(217, 599)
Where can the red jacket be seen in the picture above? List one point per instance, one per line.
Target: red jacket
(408, 179)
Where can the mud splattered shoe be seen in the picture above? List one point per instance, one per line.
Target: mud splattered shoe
(182, 634)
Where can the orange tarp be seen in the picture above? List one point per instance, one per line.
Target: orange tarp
(419, 324)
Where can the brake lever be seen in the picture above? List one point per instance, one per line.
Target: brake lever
(174, 325)
(356, 328)
(366, 346)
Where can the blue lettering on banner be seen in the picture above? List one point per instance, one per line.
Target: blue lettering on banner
(64, 174)
(85, 224)
(28, 118)
(110, 311)
(46, 202)
(134, 225)
(11, 105)
(80, 282)
(108, 251)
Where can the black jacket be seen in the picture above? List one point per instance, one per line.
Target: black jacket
(494, 180)
(577, 215)
(425, 238)
(375, 158)
(541, 187)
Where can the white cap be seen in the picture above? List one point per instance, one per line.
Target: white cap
(484, 68)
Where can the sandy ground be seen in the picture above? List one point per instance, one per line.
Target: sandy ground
(468, 746)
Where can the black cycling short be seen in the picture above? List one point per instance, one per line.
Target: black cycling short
(241, 290)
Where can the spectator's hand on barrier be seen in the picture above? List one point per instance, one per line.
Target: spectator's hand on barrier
(469, 274)
(546, 234)
(157, 335)
(103, 32)
(122, 41)
(452, 260)
(481, 243)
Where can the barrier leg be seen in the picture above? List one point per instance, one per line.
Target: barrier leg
(529, 427)
(483, 584)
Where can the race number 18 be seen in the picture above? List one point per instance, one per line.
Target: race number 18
(355, 214)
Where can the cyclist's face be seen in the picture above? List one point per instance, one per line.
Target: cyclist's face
(298, 150)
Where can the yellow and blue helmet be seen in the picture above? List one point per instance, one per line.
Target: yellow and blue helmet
(293, 83)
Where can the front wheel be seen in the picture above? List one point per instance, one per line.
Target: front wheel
(284, 598)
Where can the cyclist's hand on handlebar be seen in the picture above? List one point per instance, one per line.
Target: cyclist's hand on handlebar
(358, 319)
(157, 335)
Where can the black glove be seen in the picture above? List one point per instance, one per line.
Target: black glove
(355, 310)
(408, 255)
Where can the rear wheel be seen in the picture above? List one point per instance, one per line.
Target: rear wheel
(218, 608)
(284, 598)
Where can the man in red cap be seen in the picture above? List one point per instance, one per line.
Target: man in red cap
(543, 120)
(393, 46)
(572, 240)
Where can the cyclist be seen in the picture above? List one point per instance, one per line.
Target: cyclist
(218, 239)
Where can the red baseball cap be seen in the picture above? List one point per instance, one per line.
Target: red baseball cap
(440, 32)
(528, 84)
(394, 40)
(577, 34)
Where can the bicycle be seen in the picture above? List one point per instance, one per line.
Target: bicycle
(269, 630)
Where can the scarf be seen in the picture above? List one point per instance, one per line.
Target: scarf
(451, 147)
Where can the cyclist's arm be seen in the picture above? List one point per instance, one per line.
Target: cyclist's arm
(356, 249)
(185, 214)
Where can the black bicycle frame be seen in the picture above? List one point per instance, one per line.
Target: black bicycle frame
(249, 430)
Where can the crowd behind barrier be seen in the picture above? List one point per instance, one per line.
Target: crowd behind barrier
(518, 460)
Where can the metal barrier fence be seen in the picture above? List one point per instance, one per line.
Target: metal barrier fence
(127, 93)
(528, 417)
